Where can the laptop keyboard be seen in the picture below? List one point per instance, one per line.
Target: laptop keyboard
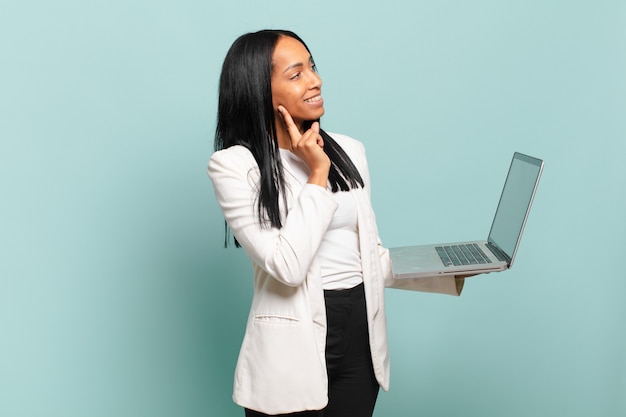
(464, 254)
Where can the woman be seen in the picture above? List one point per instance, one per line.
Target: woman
(298, 201)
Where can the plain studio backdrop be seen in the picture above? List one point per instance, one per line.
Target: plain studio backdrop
(117, 297)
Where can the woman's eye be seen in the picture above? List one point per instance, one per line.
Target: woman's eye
(296, 76)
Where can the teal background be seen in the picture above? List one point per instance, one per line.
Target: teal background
(116, 296)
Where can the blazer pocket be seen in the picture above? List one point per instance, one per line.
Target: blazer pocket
(275, 318)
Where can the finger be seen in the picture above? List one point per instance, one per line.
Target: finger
(292, 129)
(312, 135)
(315, 128)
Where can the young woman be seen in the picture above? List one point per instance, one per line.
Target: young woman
(297, 199)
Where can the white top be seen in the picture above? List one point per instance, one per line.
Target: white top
(339, 254)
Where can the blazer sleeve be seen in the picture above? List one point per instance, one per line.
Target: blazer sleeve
(285, 253)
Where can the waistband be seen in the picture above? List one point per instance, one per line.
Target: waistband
(351, 294)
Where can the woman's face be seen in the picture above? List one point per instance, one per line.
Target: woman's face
(295, 83)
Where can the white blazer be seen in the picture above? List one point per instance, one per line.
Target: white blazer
(282, 366)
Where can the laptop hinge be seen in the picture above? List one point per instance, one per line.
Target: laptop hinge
(498, 253)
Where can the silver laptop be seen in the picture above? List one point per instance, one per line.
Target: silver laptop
(498, 251)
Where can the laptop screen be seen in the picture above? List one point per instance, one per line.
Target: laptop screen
(515, 201)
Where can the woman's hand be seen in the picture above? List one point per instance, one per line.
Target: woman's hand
(308, 146)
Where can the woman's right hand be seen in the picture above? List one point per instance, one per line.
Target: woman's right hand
(308, 146)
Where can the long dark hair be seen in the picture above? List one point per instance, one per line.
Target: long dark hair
(246, 117)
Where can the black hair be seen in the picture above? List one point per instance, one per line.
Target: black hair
(246, 117)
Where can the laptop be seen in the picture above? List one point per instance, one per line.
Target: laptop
(497, 253)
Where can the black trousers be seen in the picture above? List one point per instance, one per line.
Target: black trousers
(353, 388)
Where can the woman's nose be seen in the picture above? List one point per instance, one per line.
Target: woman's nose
(315, 81)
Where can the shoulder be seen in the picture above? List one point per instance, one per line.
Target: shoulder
(232, 154)
(233, 159)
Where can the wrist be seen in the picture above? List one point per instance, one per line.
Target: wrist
(319, 177)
